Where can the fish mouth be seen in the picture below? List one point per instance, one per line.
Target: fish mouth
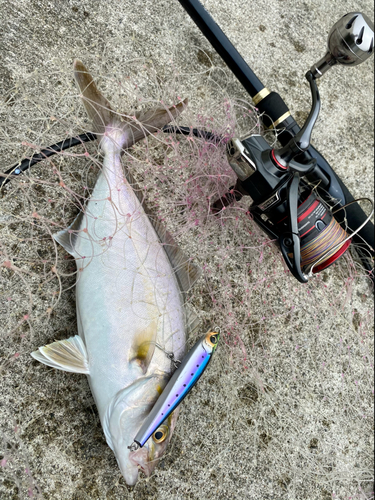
(130, 474)
(142, 460)
(131, 468)
(123, 417)
(131, 463)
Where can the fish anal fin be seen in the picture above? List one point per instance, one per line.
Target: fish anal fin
(67, 238)
(143, 347)
(68, 355)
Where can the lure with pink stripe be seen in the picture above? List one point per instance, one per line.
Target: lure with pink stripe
(181, 382)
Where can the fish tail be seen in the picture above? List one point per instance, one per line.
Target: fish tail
(125, 130)
(97, 106)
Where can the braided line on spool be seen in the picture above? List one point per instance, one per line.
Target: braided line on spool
(325, 244)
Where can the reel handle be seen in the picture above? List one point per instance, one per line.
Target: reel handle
(301, 141)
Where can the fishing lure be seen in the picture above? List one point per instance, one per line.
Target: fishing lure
(182, 381)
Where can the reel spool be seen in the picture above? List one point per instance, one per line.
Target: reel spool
(322, 239)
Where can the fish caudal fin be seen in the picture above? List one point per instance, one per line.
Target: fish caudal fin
(122, 128)
(68, 355)
(152, 121)
(97, 106)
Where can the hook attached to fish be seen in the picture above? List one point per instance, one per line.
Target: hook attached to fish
(182, 381)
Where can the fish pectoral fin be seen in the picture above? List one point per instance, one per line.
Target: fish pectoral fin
(67, 238)
(143, 347)
(68, 355)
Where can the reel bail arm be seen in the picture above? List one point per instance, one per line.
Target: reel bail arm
(284, 204)
(289, 241)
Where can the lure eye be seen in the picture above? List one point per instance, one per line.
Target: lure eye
(211, 339)
(160, 434)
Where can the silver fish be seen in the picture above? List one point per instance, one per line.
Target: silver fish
(130, 279)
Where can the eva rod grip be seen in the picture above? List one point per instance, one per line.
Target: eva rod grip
(272, 107)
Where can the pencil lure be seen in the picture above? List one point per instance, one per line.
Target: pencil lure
(182, 381)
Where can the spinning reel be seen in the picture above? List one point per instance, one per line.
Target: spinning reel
(279, 181)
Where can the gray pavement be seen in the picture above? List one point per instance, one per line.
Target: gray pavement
(285, 409)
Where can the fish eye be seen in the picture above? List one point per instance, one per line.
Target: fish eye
(160, 434)
(211, 339)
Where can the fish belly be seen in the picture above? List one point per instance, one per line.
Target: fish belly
(125, 286)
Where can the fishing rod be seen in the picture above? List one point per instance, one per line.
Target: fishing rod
(310, 235)
(26, 163)
(277, 180)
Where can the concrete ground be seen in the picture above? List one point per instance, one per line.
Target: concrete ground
(285, 410)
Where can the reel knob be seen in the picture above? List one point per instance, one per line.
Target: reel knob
(350, 42)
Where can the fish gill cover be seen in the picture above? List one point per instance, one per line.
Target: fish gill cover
(285, 409)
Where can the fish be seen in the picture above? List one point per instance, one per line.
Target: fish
(130, 287)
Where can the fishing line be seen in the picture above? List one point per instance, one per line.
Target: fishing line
(325, 246)
(170, 355)
(348, 238)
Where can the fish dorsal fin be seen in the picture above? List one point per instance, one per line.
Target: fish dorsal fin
(187, 273)
(67, 238)
(123, 128)
(192, 320)
(143, 346)
(68, 355)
